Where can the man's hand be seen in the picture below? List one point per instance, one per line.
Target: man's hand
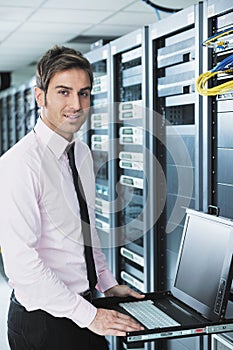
(110, 322)
(122, 291)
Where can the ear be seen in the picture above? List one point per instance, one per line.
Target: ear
(39, 96)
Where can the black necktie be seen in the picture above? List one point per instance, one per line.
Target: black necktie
(91, 272)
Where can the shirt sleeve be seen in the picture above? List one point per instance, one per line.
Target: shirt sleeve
(36, 285)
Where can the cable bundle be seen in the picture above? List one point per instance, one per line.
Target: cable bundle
(223, 67)
(221, 41)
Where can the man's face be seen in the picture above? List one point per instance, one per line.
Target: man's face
(65, 107)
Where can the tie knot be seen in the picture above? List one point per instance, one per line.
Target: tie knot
(70, 154)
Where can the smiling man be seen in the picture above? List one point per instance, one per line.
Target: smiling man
(42, 235)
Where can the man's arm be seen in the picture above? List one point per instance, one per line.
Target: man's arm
(36, 285)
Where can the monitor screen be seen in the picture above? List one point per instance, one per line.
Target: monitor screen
(204, 274)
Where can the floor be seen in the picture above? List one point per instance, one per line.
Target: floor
(4, 303)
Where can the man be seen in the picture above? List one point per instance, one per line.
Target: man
(41, 227)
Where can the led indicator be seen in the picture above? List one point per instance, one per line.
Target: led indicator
(199, 330)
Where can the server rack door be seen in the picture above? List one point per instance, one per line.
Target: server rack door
(175, 62)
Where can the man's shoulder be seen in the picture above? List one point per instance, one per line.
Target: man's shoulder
(82, 149)
(81, 145)
(20, 152)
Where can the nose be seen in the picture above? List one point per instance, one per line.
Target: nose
(75, 102)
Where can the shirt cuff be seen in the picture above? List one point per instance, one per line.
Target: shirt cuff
(106, 281)
(88, 312)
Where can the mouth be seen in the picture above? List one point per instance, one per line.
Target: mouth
(72, 117)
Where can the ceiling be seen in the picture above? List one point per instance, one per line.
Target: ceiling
(29, 27)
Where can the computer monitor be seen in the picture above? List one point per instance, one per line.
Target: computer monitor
(205, 252)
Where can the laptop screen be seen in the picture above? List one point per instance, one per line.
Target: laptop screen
(204, 270)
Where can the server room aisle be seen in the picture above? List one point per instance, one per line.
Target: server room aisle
(5, 292)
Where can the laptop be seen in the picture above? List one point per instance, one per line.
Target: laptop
(199, 296)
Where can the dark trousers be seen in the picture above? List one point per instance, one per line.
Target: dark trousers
(38, 330)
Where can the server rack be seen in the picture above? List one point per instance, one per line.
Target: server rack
(175, 61)
(31, 111)
(128, 120)
(218, 150)
(10, 118)
(97, 135)
(8, 135)
(18, 114)
(134, 248)
(4, 127)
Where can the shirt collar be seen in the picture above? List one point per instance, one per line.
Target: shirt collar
(56, 143)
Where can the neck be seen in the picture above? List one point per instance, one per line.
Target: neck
(68, 136)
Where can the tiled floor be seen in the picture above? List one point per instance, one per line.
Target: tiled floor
(5, 292)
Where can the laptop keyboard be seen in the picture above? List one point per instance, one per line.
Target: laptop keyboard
(148, 314)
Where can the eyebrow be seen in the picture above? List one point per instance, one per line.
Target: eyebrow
(69, 88)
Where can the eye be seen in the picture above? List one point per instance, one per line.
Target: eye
(63, 92)
(85, 93)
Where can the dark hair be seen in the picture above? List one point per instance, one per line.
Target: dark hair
(57, 59)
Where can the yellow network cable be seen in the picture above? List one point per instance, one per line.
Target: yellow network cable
(202, 80)
(220, 40)
(223, 67)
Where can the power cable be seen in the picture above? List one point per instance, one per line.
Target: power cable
(160, 8)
